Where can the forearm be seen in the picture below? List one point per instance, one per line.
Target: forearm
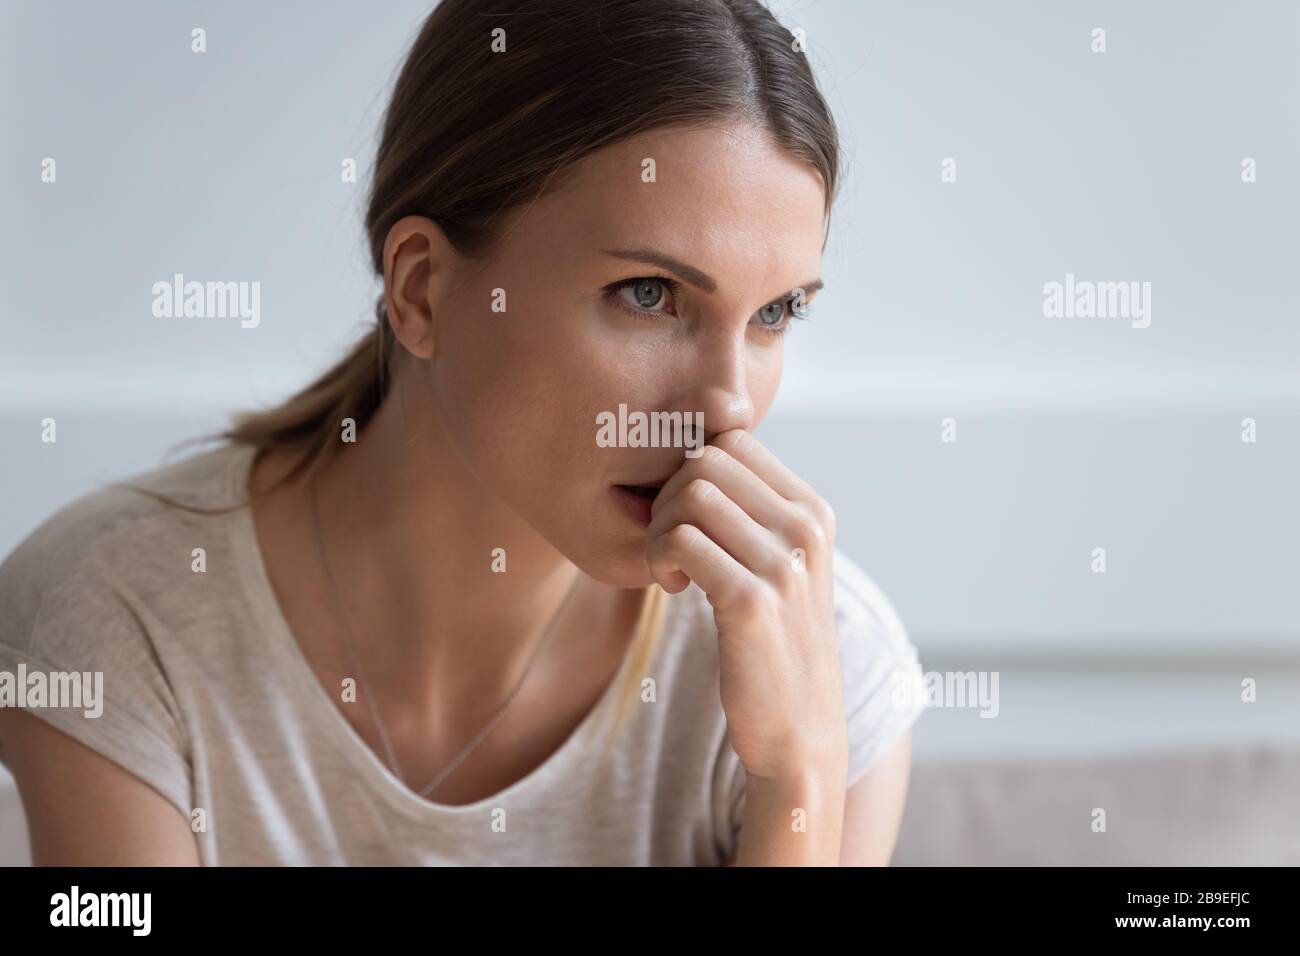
(794, 821)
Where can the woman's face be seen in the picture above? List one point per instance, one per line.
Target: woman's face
(521, 389)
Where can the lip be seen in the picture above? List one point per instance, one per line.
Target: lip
(651, 483)
(638, 507)
(644, 484)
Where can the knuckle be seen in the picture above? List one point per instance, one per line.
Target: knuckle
(809, 534)
(818, 524)
(712, 454)
(751, 600)
(825, 514)
(699, 490)
(779, 567)
(733, 440)
(680, 537)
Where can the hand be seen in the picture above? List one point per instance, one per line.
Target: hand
(758, 541)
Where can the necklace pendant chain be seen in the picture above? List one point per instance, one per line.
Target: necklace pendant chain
(372, 701)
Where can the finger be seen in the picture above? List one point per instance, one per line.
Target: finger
(686, 550)
(811, 529)
(703, 504)
(739, 483)
(749, 451)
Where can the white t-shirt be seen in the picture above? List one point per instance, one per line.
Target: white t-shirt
(208, 698)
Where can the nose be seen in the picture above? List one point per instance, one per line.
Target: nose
(718, 383)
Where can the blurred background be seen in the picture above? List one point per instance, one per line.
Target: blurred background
(1120, 689)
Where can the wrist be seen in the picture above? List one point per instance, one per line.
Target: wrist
(806, 764)
(795, 819)
(811, 780)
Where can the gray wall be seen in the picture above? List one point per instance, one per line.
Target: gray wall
(1072, 433)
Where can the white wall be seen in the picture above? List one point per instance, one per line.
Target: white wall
(1072, 434)
(1116, 166)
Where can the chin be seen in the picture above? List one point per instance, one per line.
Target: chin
(606, 540)
(610, 555)
(631, 572)
(619, 565)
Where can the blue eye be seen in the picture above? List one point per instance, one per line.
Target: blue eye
(772, 317)
(646, 293)
(647, 296)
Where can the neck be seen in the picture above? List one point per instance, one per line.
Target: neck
(410, 535)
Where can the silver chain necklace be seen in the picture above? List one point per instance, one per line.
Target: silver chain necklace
(365, 686)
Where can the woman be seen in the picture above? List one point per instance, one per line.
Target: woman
(423, 612)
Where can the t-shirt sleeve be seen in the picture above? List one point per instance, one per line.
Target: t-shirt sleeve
(880, 667)
(880, 670)
(68, 621)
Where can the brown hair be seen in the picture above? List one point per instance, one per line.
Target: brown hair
(495, 103)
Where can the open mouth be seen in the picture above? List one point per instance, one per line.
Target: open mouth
(649, 492)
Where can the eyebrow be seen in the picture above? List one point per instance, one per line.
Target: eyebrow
(692, 275)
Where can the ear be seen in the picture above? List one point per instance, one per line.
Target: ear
(418, 263)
